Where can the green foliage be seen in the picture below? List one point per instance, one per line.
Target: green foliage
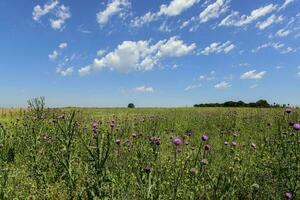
(259, 104)
(131, 105)
(251, 153)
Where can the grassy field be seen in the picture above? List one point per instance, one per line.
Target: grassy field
(183, 153)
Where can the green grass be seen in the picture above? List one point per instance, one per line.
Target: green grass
(44, 155)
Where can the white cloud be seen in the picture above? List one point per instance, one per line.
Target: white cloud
(53, 56)
(207, 77)
(145, 19)
(285, 4)
(60, 13)
(174, 47)
(268, 22)
(63, 45)
(234, 19)
(218, 48)
(144, 89)
(39, 11)
(253, 75)
(191, 87)
(277, 46)
(101, 52)
(222, 85)
(213, 10)
(139, 55)
(67, 72)
(164, 27)
(299, 74)
(283, 33)
(176, 7)
(112, 8)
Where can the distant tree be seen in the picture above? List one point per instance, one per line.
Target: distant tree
(131, 105)
(262, 103)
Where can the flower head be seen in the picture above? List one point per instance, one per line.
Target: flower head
(296, 126)
(177, 141)
(288, 195)
(253, 145)
(204, 161)
(288, 110)
(207, 147)
(204, 137)
(154, 140)
(118, 141)
(147, 169)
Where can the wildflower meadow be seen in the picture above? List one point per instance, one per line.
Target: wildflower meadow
(149, 153)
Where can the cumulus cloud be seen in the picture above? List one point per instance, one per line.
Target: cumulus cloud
(112, 8)
(139, 55)
(253, 75)
(67, 72)
(222, 85)
(269, 21)
(59, 14)
(53, 56)
(234, 19)
(144, 89)
(63, 45)
(39, 11)
(217, 48)
(213, 10)
(176, 7)
(192, 87)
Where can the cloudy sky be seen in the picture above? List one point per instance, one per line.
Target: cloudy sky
(149, 52)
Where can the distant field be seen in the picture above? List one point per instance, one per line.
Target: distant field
(149, 153)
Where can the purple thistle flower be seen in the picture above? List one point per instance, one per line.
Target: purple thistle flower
(95, 127)
(177, 141)
(296, 126)
(288, 195)
(95, 124)
(204, 137)
(288, 110)
(253, 145)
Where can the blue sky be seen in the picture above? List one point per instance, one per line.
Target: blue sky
(151, 53)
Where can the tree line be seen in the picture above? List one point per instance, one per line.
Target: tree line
(258, 104)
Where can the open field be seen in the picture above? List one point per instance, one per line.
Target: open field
(183, 153)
